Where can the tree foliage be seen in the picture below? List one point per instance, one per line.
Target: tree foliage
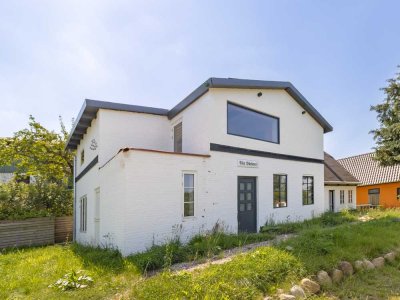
(387, 136)
(38, 151)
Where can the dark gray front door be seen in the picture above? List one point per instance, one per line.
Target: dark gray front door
(247, 210)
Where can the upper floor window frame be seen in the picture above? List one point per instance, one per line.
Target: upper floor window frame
(82, 157)
(254, 111)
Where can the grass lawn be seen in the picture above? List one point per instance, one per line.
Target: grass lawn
(26, 273)
(320, 244)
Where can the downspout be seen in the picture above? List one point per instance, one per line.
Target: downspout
(74, 202)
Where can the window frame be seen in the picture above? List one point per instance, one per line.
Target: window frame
(193, 173)
(312, 190)
(341, 197)
(350, 196)
(82, 156)
(83, 214)
(181, 143)
(255, 111)
(280, 192)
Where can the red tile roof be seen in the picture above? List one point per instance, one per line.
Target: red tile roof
(369, 171)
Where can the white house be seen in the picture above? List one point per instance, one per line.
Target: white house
(340, 186)
(6, 173)
(234, 154)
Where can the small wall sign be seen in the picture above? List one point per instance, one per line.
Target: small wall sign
(93, 145)
(244, 163)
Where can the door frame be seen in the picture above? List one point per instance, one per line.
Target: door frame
(255, 201)
(331, 200)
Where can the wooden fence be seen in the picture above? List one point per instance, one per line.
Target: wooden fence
(35, 231)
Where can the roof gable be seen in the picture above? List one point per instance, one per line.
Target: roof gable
(90, 107)
(335, 172)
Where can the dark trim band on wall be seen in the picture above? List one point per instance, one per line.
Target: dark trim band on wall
(237, 150)
(87, 169)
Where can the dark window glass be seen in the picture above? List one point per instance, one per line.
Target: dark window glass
(178, 138)
(82, 157)
(308, 190)
(280, 191)
(374, 196)
(248, 123)
(398, 193)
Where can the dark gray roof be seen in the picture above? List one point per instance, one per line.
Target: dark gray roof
(250, 84)
(368, 171)
(88, 113)
(7, 169)
(90, 107)
(334, 173)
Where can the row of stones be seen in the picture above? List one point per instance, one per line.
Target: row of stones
(310, 287)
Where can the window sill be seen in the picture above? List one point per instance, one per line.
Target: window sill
(185, 219)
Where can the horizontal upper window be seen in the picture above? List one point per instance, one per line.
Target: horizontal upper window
(252, 124)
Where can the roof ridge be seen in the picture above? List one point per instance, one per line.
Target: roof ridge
(364, 154)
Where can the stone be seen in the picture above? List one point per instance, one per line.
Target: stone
(280, 291)
(286, 297)
(390, 257)
(324, 279)
(346, 268)
(268, 298)
(310, 286)
(337, 275)
(358, 265)
(368, 265)
(289, 248)
(298, 292)
(378, 262)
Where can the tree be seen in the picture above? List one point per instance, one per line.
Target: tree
(387, 136)
(38, 151)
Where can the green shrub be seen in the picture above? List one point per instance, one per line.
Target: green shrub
(245, 277)
(328, 219)
(39, 199)
(73, 280)
(159, 256)
(199, 246)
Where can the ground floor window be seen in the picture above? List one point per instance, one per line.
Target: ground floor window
(308, 190)
(280, 190)
(341, 197)
(83, 214)
(188, 195)
(398, 194)
(350, 196)
(373, 196)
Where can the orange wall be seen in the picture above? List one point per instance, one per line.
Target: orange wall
(388, 194)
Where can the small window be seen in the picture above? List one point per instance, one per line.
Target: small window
(398, 194)
(252, 124)
(178, 137)
(341, 197)
(308, 190)
(82, 157)
(280, 191)
(83, 214)
(350, 196)
(374, 196)
(188, 195)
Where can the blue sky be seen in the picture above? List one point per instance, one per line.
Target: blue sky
(54, 54)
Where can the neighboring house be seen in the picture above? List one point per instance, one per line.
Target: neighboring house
(380, 186)
(6, 173)
(233, 154)
(340, 186)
